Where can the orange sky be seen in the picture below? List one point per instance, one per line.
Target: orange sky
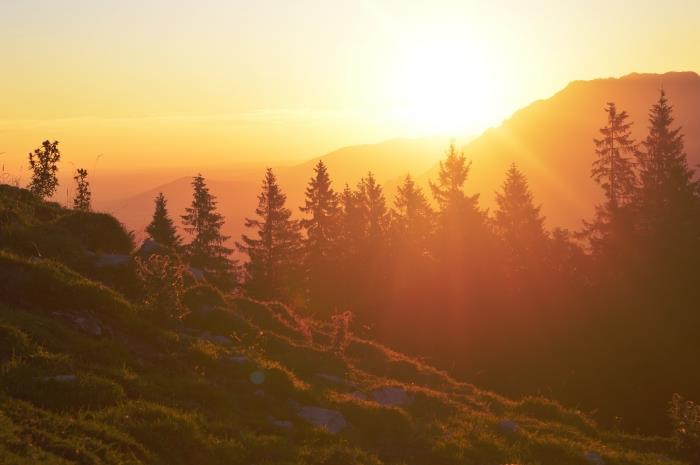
(184, 83)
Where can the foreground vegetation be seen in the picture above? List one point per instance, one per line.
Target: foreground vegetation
(90, 374)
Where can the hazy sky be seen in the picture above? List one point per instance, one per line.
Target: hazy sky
(205, 82)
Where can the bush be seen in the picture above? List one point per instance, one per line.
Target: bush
(202, 297)
(61, 392)
(98, 232)
(685, 416)
(162, 278)
(13, 342)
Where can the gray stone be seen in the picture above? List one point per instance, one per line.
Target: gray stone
(88, 325)
(283, 424)
(593, 458)
(359, 395)
(331, 420)
(112, 261)
(61, 378)
(238, 359)
(391, 396)
(336, 380)
(508, 427)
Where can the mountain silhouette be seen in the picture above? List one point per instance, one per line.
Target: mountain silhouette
(552, 140)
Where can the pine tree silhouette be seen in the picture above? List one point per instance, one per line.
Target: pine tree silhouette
(162, 229)
(613, 168)
(274, 254)
(412, 218)
(519, 223)
(322, 230)
(207, 250)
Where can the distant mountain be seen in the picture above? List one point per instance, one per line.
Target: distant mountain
(552, 140)
(237, 190)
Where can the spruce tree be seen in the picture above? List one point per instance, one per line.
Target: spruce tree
(162, 229)
(613, 169)
(321, 204)
(667, 188)
(412, 217)
(519, 223)
(44, 164)
(668, 205)
(207, 250)
(611, 233)
(322, 230)
(81, 202)
(273, 252)
(449, 189)
(374, 209)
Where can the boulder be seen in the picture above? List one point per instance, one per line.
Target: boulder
(594, 458)
(282, 424)
(508, 427)
(112, 261)
(61, 378)
(330, 420)
(336, 380)
(151, 247)
(391, 396)
(88, 325)
(238, 359)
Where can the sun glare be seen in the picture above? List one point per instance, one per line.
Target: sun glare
(444, 87)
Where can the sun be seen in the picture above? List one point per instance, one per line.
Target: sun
(444, 87)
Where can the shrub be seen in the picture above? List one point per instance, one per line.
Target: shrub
(202, 297)
(162, 278)
(341, 331)
(98, 232)
(685, 416)
(13, 342)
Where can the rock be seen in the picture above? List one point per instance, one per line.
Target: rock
(593, 458)
(196, 273)
(238, 359)
(88, 325)
(112, 261)
(257, 377)
(151, 247)
(391, 396)
(336, 380)
(61, 378)
(508, 427)
(359, 395)
(283, 424)
(331, 420)
(217, 339)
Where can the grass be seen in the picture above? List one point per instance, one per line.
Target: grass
(163, 392)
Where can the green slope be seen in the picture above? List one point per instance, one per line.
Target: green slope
(88, 377)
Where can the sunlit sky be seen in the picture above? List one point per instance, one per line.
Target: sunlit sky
(154, 82)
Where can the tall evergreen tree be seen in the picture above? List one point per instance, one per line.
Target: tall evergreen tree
(449, 189)
(459, 213)
(162, 229)
(412, 221)
(322, 229)
(519, 223)
(274, 254)
(81, 202)
(207, 250)
(321, 204)
(668, 193)
(613, 169)
(44, 164)
(373, 206)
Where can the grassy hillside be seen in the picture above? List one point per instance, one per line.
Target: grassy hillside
(88, 376)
